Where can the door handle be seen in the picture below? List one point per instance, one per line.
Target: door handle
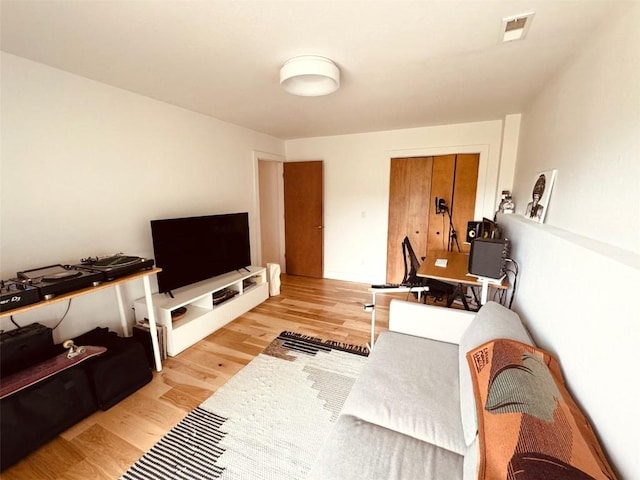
(319, 226)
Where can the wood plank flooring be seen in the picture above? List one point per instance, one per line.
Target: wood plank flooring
(105, 444)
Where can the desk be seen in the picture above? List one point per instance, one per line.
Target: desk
(456, 271)
(143, 275)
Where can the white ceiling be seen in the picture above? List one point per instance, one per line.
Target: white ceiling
(403, 63)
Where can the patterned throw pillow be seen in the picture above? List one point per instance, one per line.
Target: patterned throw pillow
(529, 425)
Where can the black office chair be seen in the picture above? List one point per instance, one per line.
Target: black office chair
(437, 289)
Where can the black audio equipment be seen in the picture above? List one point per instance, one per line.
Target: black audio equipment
(441, 206)
(490, 229)
(474, 230)
(57, 279)
(223, 295)
(24, 346)
(484, 229)
(487, 257)
(15, 294)
(115, 266)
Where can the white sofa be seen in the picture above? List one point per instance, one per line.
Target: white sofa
(411, 413)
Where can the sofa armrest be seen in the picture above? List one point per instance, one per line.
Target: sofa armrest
(428, 321)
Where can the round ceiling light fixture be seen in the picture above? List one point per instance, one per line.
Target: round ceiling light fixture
(310, 76)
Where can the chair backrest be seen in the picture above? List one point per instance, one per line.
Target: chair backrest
(411, 265)
(411, 278)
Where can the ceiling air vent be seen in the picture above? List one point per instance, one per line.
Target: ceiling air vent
(516, 27)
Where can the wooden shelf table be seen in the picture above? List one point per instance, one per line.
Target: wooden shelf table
(116, 284)
(457, 271)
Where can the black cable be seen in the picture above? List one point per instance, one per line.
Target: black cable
(453, 235)
(515, 280)
(452, 231)
(63, 316)
(57, 324)
(498, 296)
(409, 293)
(508, 273)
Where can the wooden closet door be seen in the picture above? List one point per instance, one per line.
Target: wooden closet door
(441, 187)
(409, 204)
(464, 195)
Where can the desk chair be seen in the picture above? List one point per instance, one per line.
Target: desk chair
(437, 289)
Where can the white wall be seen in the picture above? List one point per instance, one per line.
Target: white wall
(510, 139)
(579, 271)
(86, 166)
(587, 125)
(356, 183)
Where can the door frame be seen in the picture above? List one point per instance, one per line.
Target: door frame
(256, 230)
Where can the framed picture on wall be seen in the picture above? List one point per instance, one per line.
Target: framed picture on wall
(540, 195)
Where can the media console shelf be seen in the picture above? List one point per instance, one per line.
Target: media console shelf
(203, 317)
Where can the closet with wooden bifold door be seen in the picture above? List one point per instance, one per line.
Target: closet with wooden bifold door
(414, 185)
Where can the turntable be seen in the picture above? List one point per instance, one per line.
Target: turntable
(57, 279)
(115, 266)
(15, 294)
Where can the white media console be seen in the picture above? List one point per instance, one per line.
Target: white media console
(202, 316)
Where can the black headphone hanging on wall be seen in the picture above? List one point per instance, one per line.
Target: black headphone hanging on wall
(441, 206)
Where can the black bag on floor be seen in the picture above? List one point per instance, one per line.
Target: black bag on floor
(118, 372)
(32, 417)
(23, 347)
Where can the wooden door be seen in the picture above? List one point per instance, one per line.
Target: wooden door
(441, 187)
(409, 194)
(303, 218)
(464, 195)
(455, 179)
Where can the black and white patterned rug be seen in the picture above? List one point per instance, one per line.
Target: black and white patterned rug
(268, 421)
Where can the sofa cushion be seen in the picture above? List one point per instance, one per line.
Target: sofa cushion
(492, 321)
(358, 449)
(410, 385)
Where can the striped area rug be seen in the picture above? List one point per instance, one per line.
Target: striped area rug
(268, 421)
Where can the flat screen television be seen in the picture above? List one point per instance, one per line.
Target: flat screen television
(192, 249)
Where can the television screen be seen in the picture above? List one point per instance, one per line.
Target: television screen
(192, 249)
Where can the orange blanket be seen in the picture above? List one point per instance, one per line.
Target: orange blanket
(529, 425)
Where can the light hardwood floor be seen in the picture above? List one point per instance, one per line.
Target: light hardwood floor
(105, 444)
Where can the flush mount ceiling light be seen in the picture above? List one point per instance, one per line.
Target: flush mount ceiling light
(310, 76)
(516, 27)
